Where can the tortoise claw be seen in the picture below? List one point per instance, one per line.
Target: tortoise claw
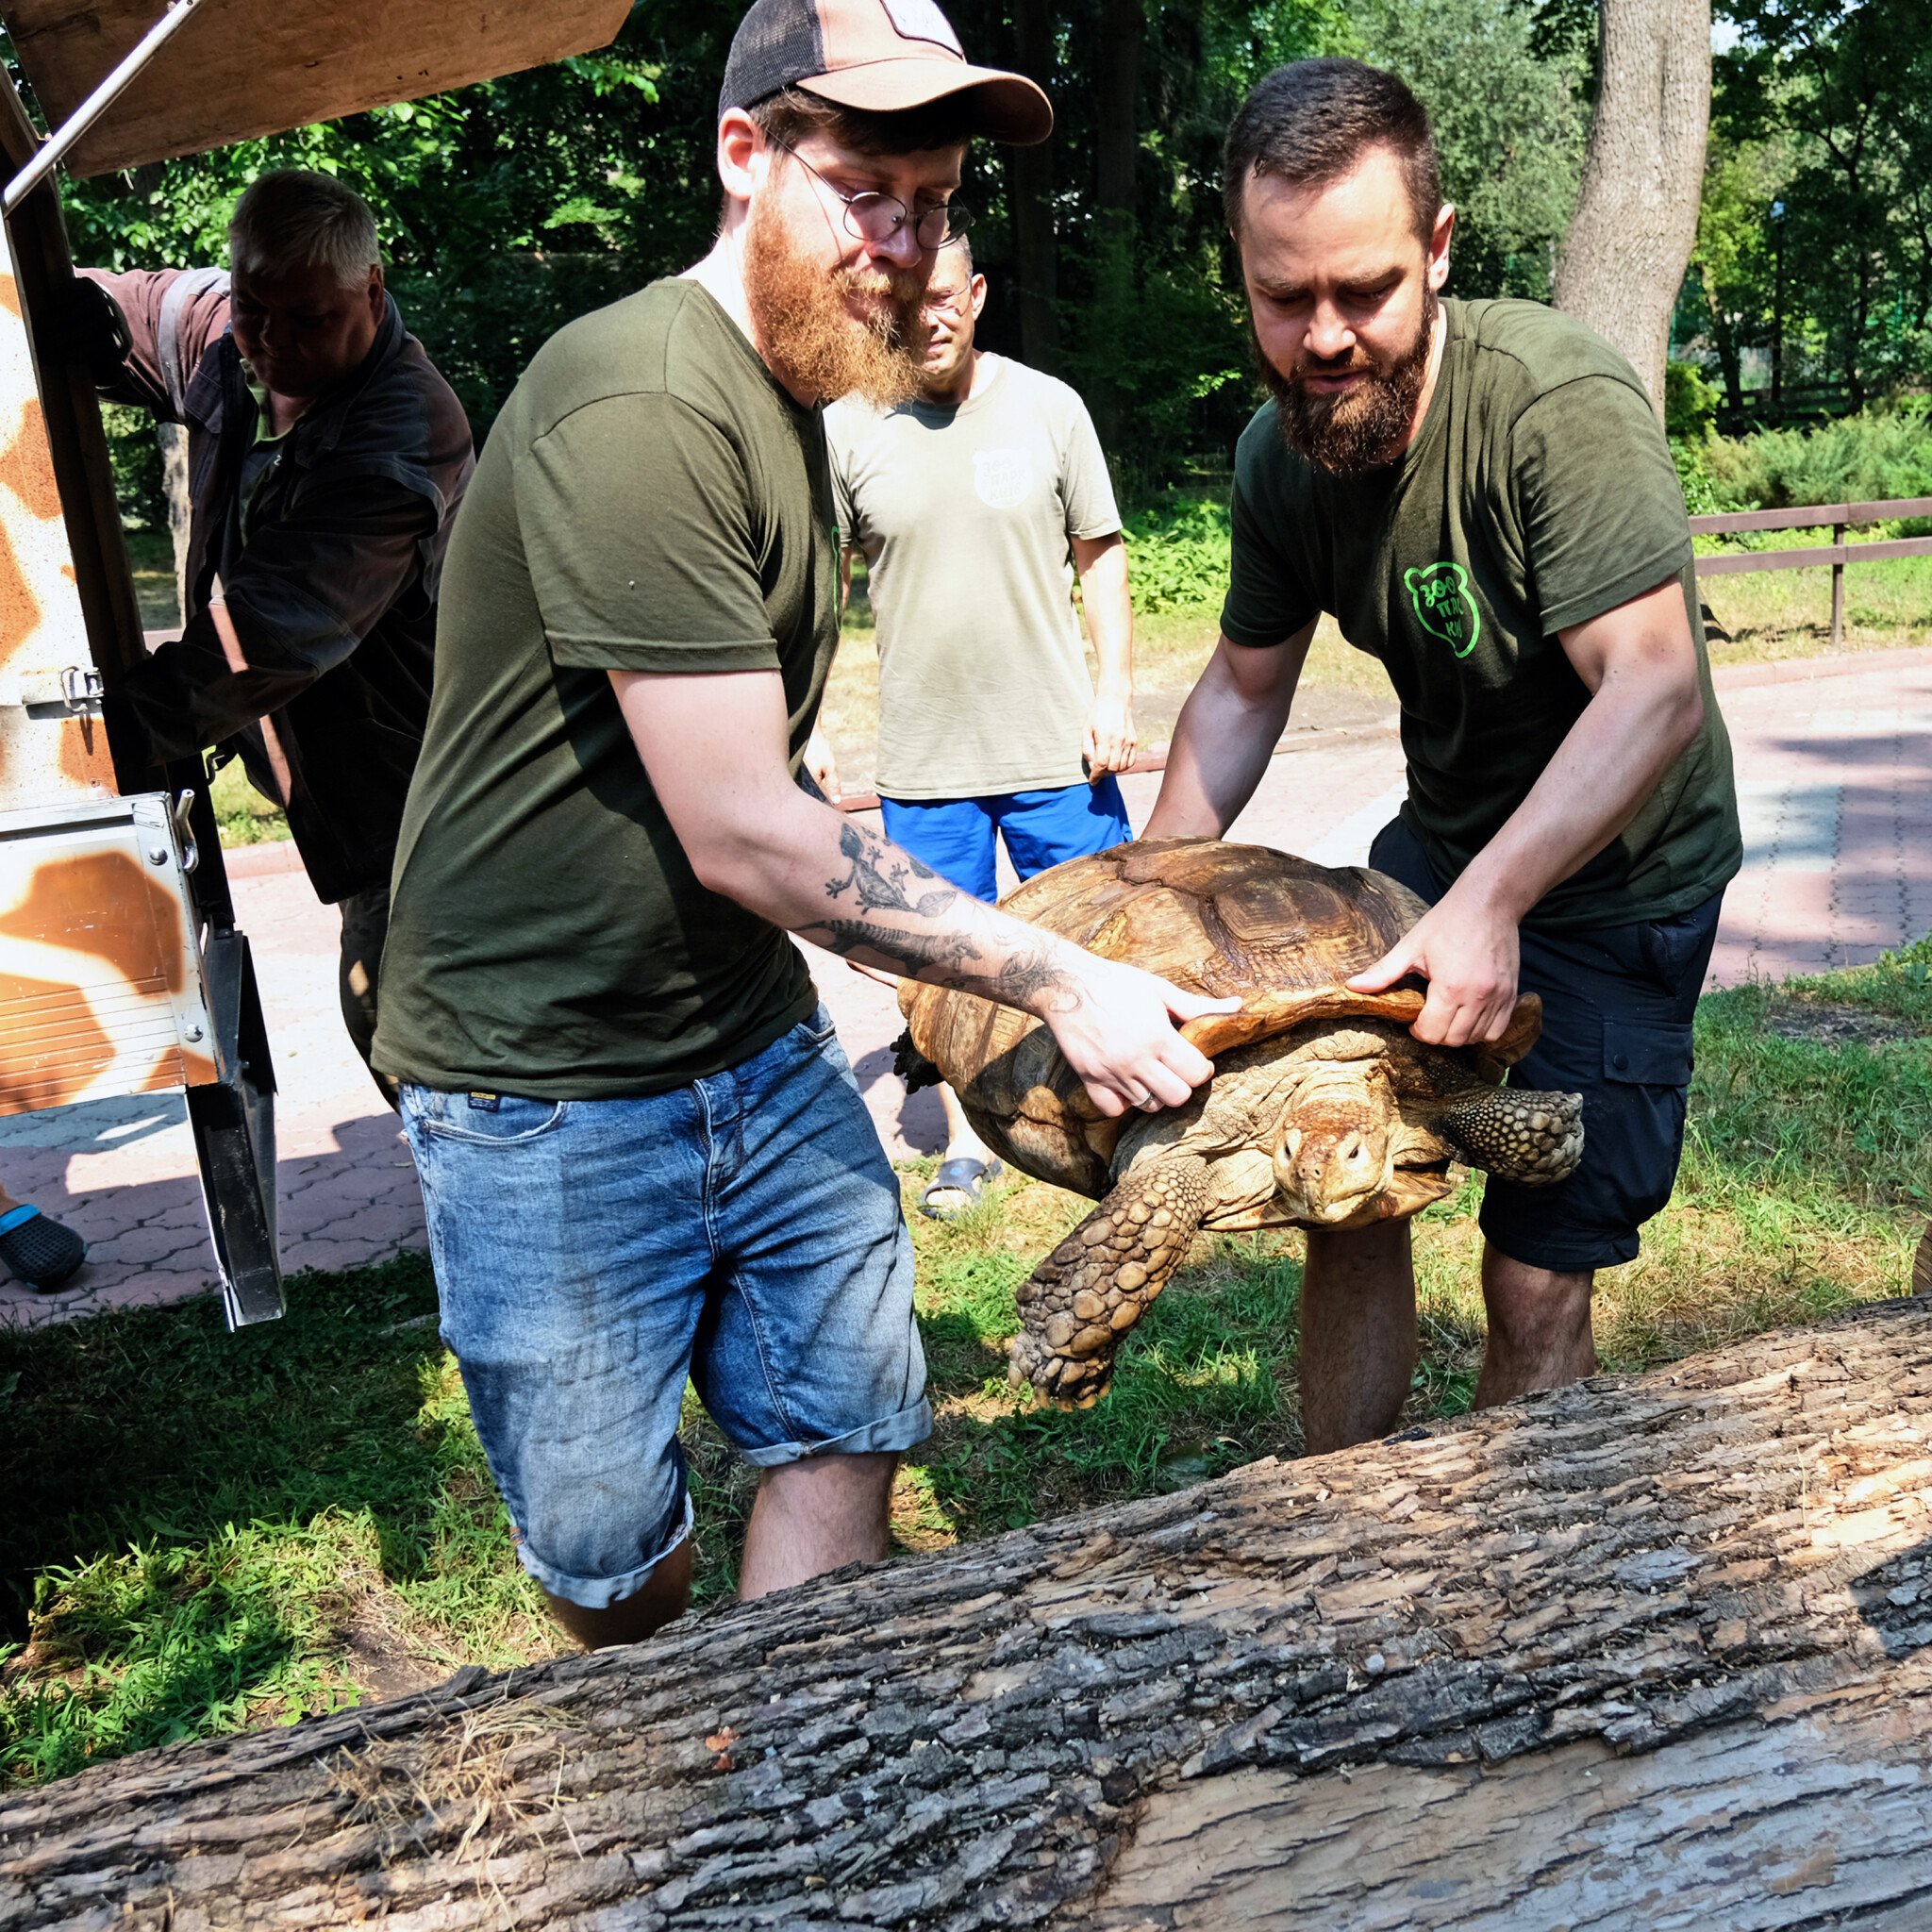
(1057, 1381)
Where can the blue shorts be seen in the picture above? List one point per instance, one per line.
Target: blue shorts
(954, 836)
(1618, 1003)
(743, 1232)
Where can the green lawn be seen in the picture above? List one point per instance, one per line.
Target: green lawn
(209, 1531)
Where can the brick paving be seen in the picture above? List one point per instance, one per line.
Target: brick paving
(1835, 778)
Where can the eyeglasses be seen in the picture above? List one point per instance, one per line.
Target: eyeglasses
(875, 217)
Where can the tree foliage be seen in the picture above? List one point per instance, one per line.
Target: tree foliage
(1817, 229)
(510, 206)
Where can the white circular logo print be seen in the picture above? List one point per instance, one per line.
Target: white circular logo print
(1003, 477)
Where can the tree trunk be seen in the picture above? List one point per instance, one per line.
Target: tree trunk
(1117, 128)
(173, 438)
(1116, 154)
(1623, 259)
(1636, 1652)
(1730, 360)
(1029, 195)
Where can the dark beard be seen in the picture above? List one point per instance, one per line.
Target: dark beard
(814, 341)
(1366, 427)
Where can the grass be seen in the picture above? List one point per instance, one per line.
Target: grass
(208, 1532)
(244, 816)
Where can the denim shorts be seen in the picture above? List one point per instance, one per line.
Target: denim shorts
(743, 1232)
(1618, 1003)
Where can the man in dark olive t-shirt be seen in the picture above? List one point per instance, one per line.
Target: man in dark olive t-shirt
(1538, 493)
(645, 1159)
(1481, 496)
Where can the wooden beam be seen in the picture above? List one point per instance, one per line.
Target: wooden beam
(1734, 563)
(1811, 516)
(1644, 1651)
(241, 68)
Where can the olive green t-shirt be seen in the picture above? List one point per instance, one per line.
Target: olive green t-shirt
(1538, 493)
(650, 499)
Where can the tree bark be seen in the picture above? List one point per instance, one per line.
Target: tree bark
(1629, 242)
(1116, 154)
(173, 440)
(1651, 1651)
(1029, 196)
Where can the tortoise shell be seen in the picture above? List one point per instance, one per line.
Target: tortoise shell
(1281, 934)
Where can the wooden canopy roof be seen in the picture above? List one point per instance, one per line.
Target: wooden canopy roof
(240, 68)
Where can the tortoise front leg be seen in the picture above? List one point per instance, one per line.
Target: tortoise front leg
(1080, 1302)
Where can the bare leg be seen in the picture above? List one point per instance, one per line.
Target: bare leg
(814, 1516)
(8, 1204)
(666, 1592)
(1540, 1333)
(962, 1143)
(1357, 1334)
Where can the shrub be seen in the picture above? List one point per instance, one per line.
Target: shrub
(136, 460)
(1885, 451)
(1691, 401)
(1177, 552)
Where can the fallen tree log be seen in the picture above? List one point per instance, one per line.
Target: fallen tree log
(1647, 1653)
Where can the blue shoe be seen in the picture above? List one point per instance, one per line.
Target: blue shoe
(41, 1251)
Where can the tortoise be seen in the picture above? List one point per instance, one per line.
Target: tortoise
(1324, 1111)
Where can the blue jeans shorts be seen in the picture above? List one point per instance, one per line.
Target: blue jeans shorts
(1618, 1003)
(954, 836)
(743, 1232)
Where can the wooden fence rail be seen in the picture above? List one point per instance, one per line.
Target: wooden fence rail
(1838, 553)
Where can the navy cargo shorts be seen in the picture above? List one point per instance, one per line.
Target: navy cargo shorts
(1618, 1003)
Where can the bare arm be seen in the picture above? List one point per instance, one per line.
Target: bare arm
(1102, 562)
(1639, 663)
(714, 746)
(1226, 733)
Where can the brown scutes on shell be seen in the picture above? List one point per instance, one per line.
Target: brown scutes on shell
(1281, 934)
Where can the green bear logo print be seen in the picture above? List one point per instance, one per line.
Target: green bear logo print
(1444, 607)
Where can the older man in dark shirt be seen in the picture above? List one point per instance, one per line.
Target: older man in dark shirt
(326, 458)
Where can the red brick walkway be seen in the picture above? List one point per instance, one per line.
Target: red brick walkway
(1835, 777)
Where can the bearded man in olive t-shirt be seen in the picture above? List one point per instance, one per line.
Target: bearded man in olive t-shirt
(1480, 495)
(645, 1159)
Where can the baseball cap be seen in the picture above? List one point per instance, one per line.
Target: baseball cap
(880, 56)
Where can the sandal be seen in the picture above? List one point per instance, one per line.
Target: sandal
(964, 1175)
(41, 1251)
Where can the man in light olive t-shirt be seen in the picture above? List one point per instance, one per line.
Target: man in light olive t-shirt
(1480, 495)
(973, 505)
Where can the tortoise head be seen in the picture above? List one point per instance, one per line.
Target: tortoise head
(1334, 1152)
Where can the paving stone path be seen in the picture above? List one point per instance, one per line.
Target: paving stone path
(1835, 777)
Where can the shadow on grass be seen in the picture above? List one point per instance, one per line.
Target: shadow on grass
(1205, 1382)
(193, 1513)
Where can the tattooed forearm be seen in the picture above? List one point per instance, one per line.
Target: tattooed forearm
(898, 946)
(883, 879)
(1031, 980)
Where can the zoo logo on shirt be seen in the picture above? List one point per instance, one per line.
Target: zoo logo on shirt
(1444, 607)
(1002, 478)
